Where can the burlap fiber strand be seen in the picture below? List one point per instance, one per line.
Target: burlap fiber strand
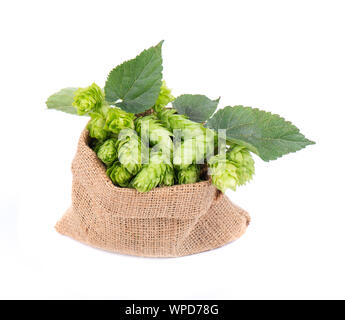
(164, 222)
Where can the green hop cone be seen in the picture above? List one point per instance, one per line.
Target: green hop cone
(188, 128)
(95, 144)
(244, 162)
(97, 123)
(185, 153)
(191, 151)
(198, 142)
(153, 173)
(223, 173)
(169, 177)
(164, 97)
(129, 149)
(96, 127)
(88, 99)
(107, 152)
(153, 131)
(174, 121)
(119, 175)
(117, 119)
(194, 150)
(190, 174)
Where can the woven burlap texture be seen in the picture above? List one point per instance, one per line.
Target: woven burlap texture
(164, 222)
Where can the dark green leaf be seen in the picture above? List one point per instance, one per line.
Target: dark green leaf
(135, 84)
(196, 106)
(266, 134)
(62, 101)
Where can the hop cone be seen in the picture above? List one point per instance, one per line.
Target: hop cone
(189, 174)
(107, 152)
(198, 142)
(96, 127)
(95, 144)
(174, 121)
(88, 99)
(192, 151)
(129, 149)
(164, 97)
(119, 175)
(223, 173)
(152, 174)
(117, 119)
(169, 177)
(153, 131)
(244, 162)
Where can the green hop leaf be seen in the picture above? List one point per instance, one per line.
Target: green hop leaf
(197, 107)
(63, 100)
(88, 99)
(134, 85)
(223, 173)
(119, 175)
(129, 148)
(266, 134)
(188, 174)
(244, 162)
(117, 119)
(107, 152)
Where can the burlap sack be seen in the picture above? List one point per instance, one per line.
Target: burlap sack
(164, 222)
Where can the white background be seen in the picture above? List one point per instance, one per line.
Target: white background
(287, 57)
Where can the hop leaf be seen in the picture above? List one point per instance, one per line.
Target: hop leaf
(117, 119)
(134, 85)
(119, 175)
(244, 162)
(88, 99)
(268, 135)
(189, 174)
(223, 173)
(107, 152)
(129, 149)
(197, 107)
(63, 100)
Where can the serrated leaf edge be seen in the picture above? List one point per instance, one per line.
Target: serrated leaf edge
(308, 142)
